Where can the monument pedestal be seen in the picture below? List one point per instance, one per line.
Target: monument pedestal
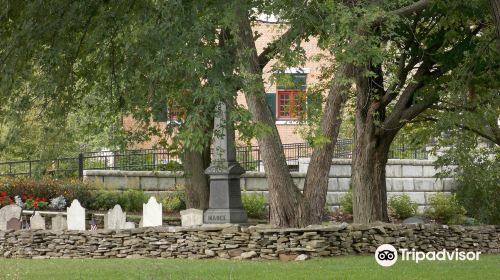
(225, 194)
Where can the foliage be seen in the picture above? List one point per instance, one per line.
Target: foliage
(48, 188)
(5, 199)
(58, 203)
(402, 206)
(446, 208)
(171, 166)
(36, 204)
(29, 202)
(475, 164)
(132, 200)
(174, 200)
(346, 202)
(105, 200)
(135, 161)
(255, 204)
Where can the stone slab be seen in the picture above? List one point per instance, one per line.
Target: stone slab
(191, 217)
(76, 216)
(8, 212)
(152, 213)
(37, 221)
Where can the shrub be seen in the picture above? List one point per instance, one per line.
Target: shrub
(132, 200)
(402, 206)
(446, 209)
(175, 200)
(346, 202)
(255, 204)
(476, 168)
(58, 203)
(105, 200)
(47, 188)
(171, 166)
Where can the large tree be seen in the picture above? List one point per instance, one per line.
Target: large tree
(133, 57)
(402, 57)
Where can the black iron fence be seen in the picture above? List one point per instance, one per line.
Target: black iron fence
(164, 160)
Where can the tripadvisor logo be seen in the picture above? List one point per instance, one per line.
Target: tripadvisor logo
(387, 255)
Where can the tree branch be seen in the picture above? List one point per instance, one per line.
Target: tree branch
(267, 54)
(413, 8)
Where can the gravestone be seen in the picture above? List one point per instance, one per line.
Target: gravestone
(414, 220)
(59, 223)
(8, 212)
(115, 218)
(76, 216)
(225, 194)
(152, 214)
(129, 225)
(13, 223)
(191, 217)
(37, 221)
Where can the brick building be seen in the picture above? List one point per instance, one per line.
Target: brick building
(286, 97)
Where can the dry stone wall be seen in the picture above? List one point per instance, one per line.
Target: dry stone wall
(254, 242)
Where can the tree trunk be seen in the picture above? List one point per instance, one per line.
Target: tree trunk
(196, 182)
(368, 178)
(372, 145)
(287, 206)
(316, 182)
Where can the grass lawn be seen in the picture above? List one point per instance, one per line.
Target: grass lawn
(354, 267)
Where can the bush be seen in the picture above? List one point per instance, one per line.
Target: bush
(446, 208)
(346, 202)
(47, 188)
(175, 200)
(255, 204)
(476, 168)
(105, 200)
(170, 166)
(132, 200)
(402, 206)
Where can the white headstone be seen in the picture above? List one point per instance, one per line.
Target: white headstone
(191, 217)
(152, 213)
(59, 223)
(37, 221)
(115, 218)
(76, 216)
(129, 225)
(8, 212)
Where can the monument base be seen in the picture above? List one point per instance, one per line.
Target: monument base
(222, 216)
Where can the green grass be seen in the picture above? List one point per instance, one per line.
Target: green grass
(354, 267)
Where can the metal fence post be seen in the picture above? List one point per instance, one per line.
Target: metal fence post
(80, 165)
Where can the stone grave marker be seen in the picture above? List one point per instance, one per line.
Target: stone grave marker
(8, 212)
(76, 216)
(152, 214)
(414, 220)
(37, 221)
(115, 218)
(13, 223)
(225, 194)
(129, 225)
(59, 223)
(191, 217)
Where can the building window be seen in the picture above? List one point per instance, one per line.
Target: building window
(168, 112)
(291, 96)
(290, 104)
